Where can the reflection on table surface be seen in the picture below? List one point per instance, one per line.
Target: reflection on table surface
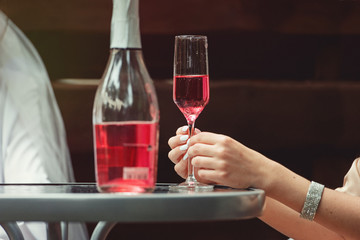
(161, 188)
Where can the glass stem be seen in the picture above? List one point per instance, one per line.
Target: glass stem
(191, 180)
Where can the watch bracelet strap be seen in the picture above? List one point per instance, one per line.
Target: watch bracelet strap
(312, 201)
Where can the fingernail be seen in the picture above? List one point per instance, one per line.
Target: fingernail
(185, 156)
(184, 128)
(183, 138)
(184, 147)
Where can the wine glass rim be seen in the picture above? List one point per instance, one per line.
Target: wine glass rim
(187, 36)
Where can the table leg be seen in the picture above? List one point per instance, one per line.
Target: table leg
(53, 231)
(64, 230)
(101, 230)
(12, 230)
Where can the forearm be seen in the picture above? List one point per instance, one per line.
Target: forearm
(340, 212)
(337, 211)
(288, 222)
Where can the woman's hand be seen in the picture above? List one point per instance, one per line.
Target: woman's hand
(218, 159)
(225, 161)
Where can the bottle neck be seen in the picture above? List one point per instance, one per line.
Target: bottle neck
(125, 25)
(126, 57)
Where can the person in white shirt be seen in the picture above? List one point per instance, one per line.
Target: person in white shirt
(33, 147)
(294, 206)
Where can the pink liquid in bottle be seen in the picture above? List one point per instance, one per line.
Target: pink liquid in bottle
(126, 156)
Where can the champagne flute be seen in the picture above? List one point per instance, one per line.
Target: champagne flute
(191, 90)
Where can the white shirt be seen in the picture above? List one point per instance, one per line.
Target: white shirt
(352, 180)
(33, 147)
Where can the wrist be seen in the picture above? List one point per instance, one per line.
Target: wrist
(268, 176)
(285, 186)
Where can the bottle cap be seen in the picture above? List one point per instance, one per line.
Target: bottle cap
(125, 27)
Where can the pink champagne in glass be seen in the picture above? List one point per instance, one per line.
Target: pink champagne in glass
(191, 94)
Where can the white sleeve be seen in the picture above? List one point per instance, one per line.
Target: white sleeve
(33, 145)
(27, 152)
(352, 180)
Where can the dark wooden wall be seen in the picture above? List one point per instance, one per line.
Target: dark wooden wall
(289, 70)
(277, 40)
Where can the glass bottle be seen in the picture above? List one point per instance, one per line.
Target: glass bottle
(126, 112)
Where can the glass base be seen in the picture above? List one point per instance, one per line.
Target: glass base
(191, 185)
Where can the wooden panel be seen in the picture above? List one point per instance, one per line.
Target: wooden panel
(169, 16)
(278, 39)
(86, 15)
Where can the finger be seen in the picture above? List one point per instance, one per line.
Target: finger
(182, 130)
(178, 140)
(185, 130)
(181, 168)
(201, 179)
(201, 149)
(202, 162)
(210, 176)
(176, 154)
(208, 138)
